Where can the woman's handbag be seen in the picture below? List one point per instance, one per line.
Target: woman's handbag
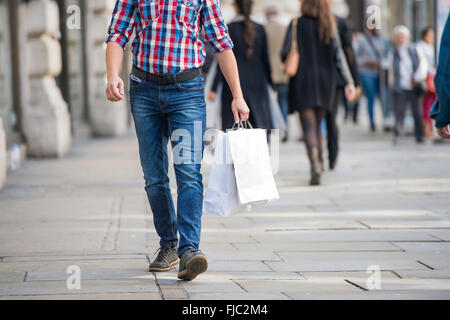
(293, 59)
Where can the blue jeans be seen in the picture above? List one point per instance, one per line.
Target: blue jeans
(371, 86)
(176, 113)
(283, 91)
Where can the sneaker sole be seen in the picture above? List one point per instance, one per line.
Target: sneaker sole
(164, 269)
(194, 267)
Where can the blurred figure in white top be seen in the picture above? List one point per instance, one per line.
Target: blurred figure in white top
(426, 45)
(408, 70)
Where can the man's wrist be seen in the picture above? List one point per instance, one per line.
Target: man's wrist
(110, 76)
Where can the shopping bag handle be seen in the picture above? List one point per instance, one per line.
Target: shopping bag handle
(242, 125)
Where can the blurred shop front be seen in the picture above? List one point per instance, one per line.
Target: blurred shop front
(415, 14)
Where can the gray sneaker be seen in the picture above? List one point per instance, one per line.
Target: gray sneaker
(167, 258)
(193, 262)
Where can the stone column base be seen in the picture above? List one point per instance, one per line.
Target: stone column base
(108, 119)
(46, 121)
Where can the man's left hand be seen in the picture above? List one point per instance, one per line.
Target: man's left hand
(444, 132)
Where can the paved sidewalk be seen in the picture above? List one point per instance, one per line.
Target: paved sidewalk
(385, 206)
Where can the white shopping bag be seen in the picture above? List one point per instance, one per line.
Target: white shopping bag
(254, 177)
(221, 195)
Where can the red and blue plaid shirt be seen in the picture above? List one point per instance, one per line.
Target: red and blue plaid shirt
(167, 32)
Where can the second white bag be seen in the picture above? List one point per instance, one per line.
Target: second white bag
(221, 197)
(254, 178)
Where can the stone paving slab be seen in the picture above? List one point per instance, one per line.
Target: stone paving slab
(343, 275)
(424, 246)
(408, 284)
(203, 283)
(344, 236)
(253, 266)
(296, 224)
(249, 255)
(305, 286)
(97, 274)
(99, 296)
(87, 286)
(265, 296)
(425, 274)
(408, 224)
(372, 295)
(61, 266)
(435, 260)
(443, 235)
(344, 261)
(318, 246)
(73, 257)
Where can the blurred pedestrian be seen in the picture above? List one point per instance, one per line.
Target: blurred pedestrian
(426, 45)
(408, 69)
(372, 48)
(311, 89)
(346, 37)
(441, 108)
(280, 81)
(250, 49)
(167, 96)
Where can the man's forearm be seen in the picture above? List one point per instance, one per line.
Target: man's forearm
(115, 87)
(228, 65)
(114, 58)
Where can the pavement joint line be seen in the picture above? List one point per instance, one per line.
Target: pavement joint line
(356, 285)
(288, 296)
(392, 243)
(112, 220)
(277, 253)
(396, 274)
(158, 286)
(253, 239)
(119, 220)
(362, 223)
(436, 237)
(239, 285)
(424, 264)
(234, 246)
(271, 269)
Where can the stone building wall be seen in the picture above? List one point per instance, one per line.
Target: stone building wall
(46, 118)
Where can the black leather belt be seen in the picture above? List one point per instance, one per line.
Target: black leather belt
(166, 79)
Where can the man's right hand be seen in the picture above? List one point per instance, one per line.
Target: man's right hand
(444, 132)
(115, 89)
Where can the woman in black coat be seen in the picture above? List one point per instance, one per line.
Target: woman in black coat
(250, 49)
(311, 89)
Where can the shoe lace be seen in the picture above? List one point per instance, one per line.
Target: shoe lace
(163, 253)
